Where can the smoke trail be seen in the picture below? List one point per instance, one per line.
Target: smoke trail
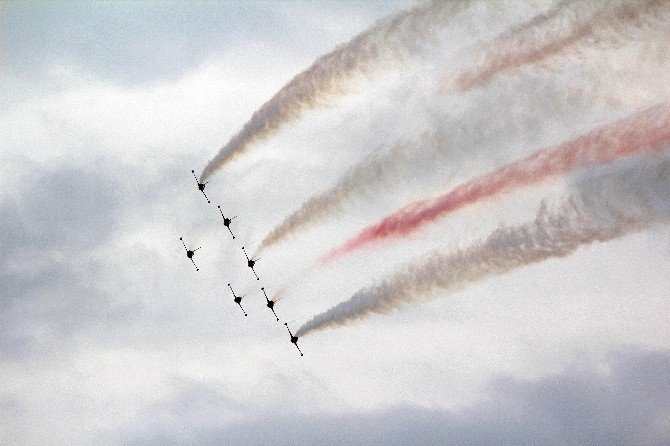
(375, 170)
(278, 295)
(390, 40)
(563, 28)
(570, 25)
(612, 202)
(647, 131)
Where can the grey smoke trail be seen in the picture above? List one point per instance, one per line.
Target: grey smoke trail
(393, 39)
(569, 27)
(371, 173)
(607, 203)
(378, 171)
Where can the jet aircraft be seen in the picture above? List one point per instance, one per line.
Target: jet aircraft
(190, 253)
(238, 299)
(294, 339)
(270, 303)
(227, 221)
(201, 186)
(251, 263)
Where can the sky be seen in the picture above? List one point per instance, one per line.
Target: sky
(109, 335)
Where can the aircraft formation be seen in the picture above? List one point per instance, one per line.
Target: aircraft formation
(251, 262)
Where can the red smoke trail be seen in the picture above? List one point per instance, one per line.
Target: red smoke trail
(605, 203)
(647, 131)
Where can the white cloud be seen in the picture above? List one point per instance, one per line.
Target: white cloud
(109, 335)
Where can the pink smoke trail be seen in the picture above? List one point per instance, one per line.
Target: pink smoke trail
(614, 201)
(647, 131)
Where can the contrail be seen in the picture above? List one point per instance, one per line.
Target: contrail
(595, 24)
(393, 39)
(614, 201)
(647, 131)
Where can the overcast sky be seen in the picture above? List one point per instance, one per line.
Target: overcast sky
(108, 335)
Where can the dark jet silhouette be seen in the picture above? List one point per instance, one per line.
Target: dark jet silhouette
(238, 299)
(294, 339)
(227, 221)
(201, 186)
(190, 253)
(270, 303)
(251, 263)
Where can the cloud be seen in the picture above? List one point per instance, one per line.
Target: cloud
(130, 43)
(107, 333)
(623, 400)
(50, 226)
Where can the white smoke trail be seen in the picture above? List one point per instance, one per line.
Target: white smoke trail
(608, 202)
(566, 30)
(441, 145)
(390, 41)
(366, 175)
